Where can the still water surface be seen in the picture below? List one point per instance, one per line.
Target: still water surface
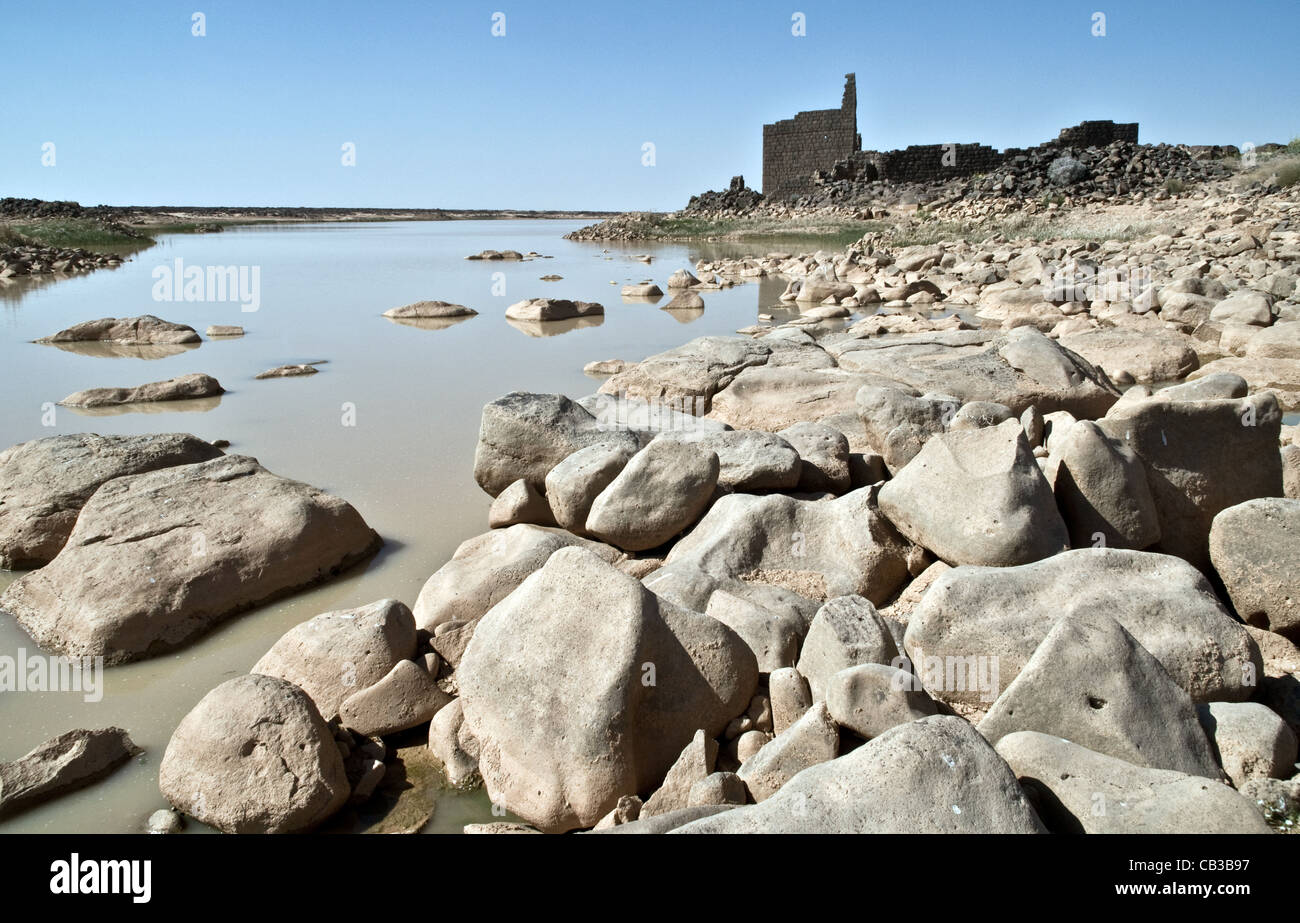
(406, 464)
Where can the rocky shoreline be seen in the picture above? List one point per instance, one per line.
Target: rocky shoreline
(990, 528)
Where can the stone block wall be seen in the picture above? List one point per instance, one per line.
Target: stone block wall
(794, 149)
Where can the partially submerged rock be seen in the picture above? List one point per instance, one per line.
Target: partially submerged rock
(62, 764)
(45, 482)
(157, 558)
(145, 329)
(254, 756)
(185, 387)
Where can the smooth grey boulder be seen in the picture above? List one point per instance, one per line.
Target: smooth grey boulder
(184, 387)
(405, 698)
(145, 329)
(1101, 490)
(254, 756)
(936, 775)
(45, 483)
(583, 686)
(694, 765)
(871, 698)
(1201, 457)
(977, 497)
(62, 764)
(521, 502)
(846, 631)
(748, 460)
(813, 739)
(823, 457)
(1080, 791)
(485, 569)
(1250, 740)
(1091, 682)
(898, 423)
(573, 485)
(524, 435)
(1004, 613)
(1255, 549)
(336, 654)
(827, 548)
(660, 492)
(157, 558)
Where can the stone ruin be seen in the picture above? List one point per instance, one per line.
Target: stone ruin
(824, 145)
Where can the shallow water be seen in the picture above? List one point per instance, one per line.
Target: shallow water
(415, 395)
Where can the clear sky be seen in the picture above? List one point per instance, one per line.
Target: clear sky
(555, 113)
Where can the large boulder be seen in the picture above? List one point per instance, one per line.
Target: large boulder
(487, 568)
(335, 654)
(157, 558)
(44, 484)
(1201, 457)
(828, 548)
(1089, 681)
(1101, 490)
(659, 492)
(1146, 355)
(145, 329)
(936, 775)
(1255, 548)
(525, 435)
(1080, 791)
(1005, 613)
(254, 756)
(582, 686)
(977, 497)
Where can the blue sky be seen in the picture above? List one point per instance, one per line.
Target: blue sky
(554, 113)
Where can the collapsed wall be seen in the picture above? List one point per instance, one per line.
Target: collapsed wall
(824, 145)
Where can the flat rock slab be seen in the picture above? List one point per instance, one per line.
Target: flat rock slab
(185, 387)
(45, 482)
(430, 310)
(62, 764)
(145, 329)
(289, 371)
(549, 309)
(157, 558)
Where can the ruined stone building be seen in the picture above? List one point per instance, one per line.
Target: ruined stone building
(826, 141)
